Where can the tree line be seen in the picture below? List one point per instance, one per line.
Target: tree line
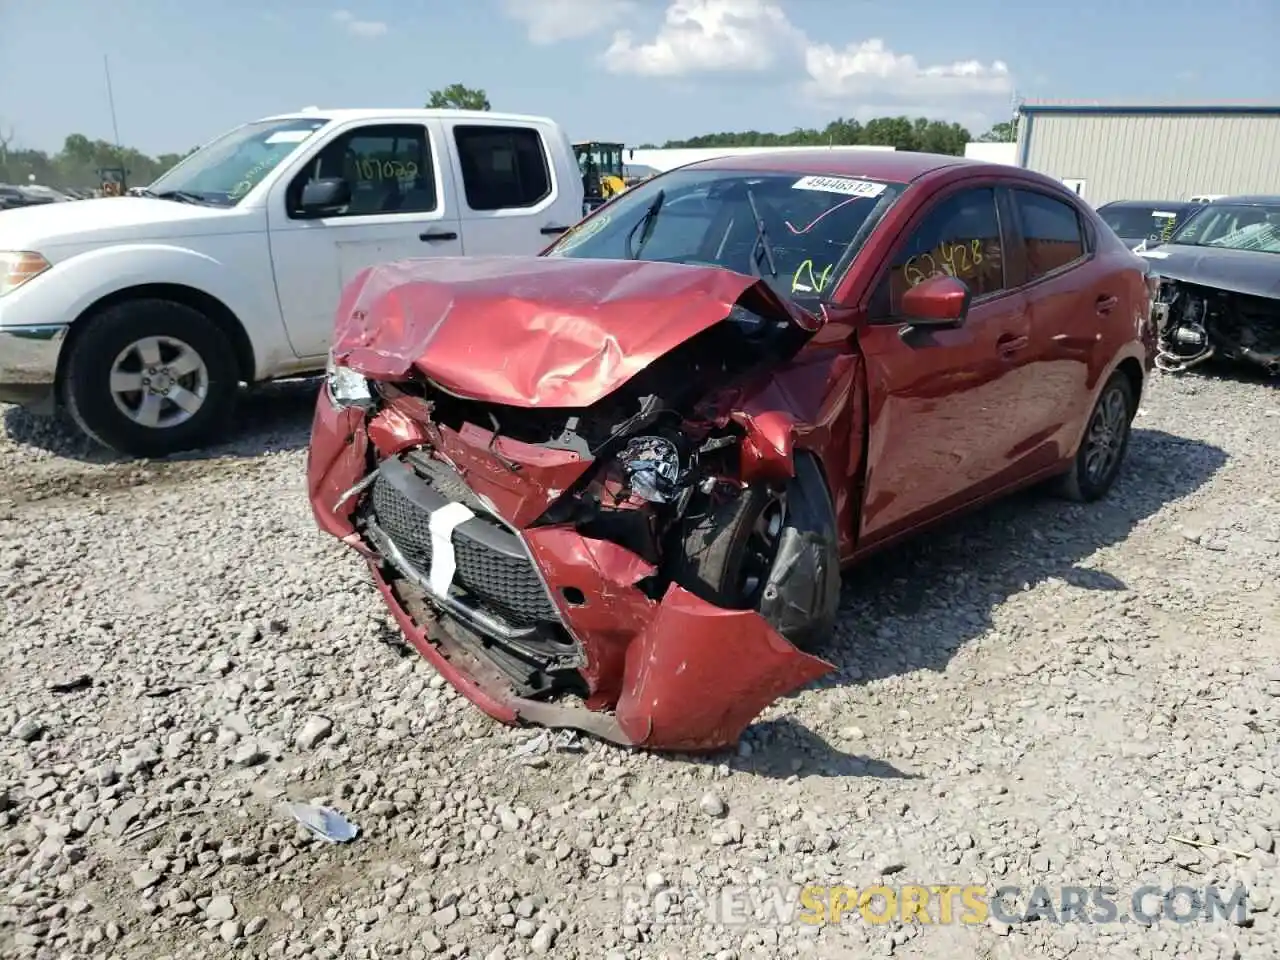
(79, 162)
(903, 133)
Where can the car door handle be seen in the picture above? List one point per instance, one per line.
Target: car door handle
(1106, 304)
(432, 235)
(554, 231)
(1011, 343)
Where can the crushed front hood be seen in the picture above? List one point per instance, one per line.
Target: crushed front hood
(535, 331)
(1239, 271)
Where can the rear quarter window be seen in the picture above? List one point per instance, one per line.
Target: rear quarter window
(502, 167)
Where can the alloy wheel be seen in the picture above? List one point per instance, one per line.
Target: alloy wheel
(159, 382)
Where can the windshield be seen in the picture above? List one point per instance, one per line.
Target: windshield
(1141, 223)
(223, 171)
(813, 226)
(1234, 226)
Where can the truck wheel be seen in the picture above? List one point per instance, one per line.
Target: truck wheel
(150, 377)
(1105, 443)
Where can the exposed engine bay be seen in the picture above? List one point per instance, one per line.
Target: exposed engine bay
(645, 560)
(1204, 322)
(661, 472)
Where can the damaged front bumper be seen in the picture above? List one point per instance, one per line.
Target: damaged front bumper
(514, 618)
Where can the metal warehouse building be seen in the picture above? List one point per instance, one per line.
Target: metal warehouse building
(1152, 153)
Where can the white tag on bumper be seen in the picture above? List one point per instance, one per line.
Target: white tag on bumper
(443, 563)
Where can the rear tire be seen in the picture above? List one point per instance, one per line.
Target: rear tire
(148, 378)
(1104, 444)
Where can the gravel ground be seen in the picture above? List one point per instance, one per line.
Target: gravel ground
(1041, 694)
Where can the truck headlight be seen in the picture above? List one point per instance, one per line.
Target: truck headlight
(346, 387)
(19, 266)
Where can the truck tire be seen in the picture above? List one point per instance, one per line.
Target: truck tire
(1104, 444)
(152, 377)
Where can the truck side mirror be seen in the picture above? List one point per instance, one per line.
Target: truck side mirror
(325, 197)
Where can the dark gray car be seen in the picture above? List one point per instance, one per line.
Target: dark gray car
(1220, 285)
(1146, 221)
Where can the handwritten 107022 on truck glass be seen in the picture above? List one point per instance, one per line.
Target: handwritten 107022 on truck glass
(373, 170)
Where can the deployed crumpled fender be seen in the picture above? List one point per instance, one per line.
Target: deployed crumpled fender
(698, 674)
(534, 331)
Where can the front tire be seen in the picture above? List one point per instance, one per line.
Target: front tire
(769, 550)
(1104, 445)
(148, 378)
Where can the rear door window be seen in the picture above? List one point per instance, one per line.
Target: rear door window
(502, 168)
(1052, 235)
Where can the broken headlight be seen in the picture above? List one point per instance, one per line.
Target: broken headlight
(651, 466)
(346, 387)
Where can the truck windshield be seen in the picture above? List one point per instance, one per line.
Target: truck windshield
(224, 171)
(813, 225)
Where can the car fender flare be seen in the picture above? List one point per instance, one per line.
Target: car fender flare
(1128, 359)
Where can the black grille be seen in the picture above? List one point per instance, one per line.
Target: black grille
(506, 583)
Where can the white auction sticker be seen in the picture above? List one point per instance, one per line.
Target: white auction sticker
(844, 185)
(288, 136)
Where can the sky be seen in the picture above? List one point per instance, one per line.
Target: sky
(632, 71)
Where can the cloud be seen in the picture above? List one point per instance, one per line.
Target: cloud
(870, 67)
(365, 29)
(756, 36)
(552, 21)
(708, 36)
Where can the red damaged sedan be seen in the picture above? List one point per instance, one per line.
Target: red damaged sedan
(613, 487)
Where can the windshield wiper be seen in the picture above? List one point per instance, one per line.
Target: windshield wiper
(645, 225)
(762, 238)
(181, 196)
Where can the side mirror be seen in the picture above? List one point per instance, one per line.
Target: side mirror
(939, 303)
(324, 197)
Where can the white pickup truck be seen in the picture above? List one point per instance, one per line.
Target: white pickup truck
(144, 314)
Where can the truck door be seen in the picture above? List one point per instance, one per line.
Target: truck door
(401, 206)
(517, 186)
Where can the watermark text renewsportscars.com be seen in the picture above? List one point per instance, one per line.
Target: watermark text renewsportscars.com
(943, 904)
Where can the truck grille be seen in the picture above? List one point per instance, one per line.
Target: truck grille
(498, 573)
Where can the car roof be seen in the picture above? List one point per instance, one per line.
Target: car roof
(380, 113)
(900, 165)
(1250, 198)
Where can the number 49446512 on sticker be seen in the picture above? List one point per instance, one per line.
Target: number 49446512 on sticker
(844, 185)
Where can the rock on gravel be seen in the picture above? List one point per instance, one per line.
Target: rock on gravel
(1044, 693)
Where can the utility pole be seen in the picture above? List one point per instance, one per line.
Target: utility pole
(115, 127)
(111, 102)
